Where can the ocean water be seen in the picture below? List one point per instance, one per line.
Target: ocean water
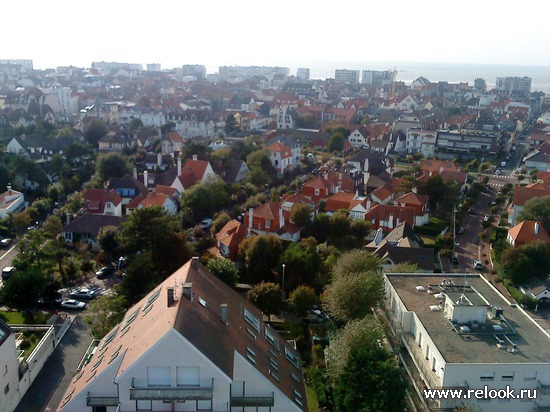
(451, 72)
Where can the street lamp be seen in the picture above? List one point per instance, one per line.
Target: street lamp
(283, 284)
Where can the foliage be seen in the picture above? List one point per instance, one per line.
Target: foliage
(261, 255)
(220, 221)
(336, 142)
(339, 224)
(302, 298)
(104, 313)
(94, 131)
(205, 198)
(141, 277)
(109, 241)
(443, 194)
(112, 165)
(537, 208)
(231, 125)
(52, 225)
(521, 264)
(224, 269)
(300, 214)
(23, 289)
(356, 286)
(301, 264)
(404, 267)
(268, 297)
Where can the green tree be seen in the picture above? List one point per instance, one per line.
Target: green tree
(268, 297)
(231, 125)
(109, 241)
(301, 299)
(135, 125)
(112, 165)
(220, 221)
(141, 277)
(302, 263)
(94, 131)
(356, 286)
(443, 194)
(259, 160)
(336, 142)
(537, 208)
(59, 165)
(261, 255)
(52, 225)
(224, 269)
(77, 153)
(340, 224)
(23, 289)
(523, 263)
(205, 198)
(104, 313)
(300, 214)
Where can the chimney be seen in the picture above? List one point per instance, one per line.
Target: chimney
(68, 217)
(369, 204)
(179, 166)
(441, 169)
(223, 312)
(431, 173)
(134, 173)
(195, 262)
(145, 178)
(187, 290)
(414, 190)
(159, 159)
(536, 228)
(194, 157)
(9, 188)
(170, 295)
(281, 218)
(250, 217)
(390, 220)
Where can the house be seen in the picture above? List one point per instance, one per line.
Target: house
(128, 187)
(526, 232)
(370, 162)
(356, 205)
(281, 157)
(173, 142)
(37, 147)
(85, 228)
(538, 160)
(458, 331)
(232, 170)
(112, 141)
(388, 217)
(102, 202)
(162, 200)
(521, 195)
(289, 200)
(420, 141)
(11, 201)
(287, 118)
(359, 138)
(538, 290)
(347, 179)
(417, 202)
(383, 195)
(154, 161)
(229, 238)
(192, 344)
(316, 188)
(269, 218)
(193, 171)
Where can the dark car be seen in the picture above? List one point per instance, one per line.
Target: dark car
(455, 261)
(471, 211)
(460, 230)
(105, 271)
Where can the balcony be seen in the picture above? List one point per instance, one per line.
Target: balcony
(543, 388)
(182, 393)
(252, 401)
(100, 400)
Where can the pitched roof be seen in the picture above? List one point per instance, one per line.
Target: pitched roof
(91, 223)
(317, 182)
(198, 321)
(96, 199)
(268, 211)
(529, 231)
(128, 181)
(156, 199)
(412, 198)
(436, 165)
(280, 148)
(383, 212)
(232, 233)
(197, 167)
(524, 193)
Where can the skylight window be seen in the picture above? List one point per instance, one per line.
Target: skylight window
(129, 320)
(292, 358)
(271, 338)
(252, 320)
(109, 338)
(151, 299)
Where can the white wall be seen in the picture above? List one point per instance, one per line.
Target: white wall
(8, 362)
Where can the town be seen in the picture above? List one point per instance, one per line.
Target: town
(256, 240)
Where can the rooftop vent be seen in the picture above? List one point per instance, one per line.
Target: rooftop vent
(420, 289)
(439, 296)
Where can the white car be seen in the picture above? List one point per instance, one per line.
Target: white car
(72, 304)
(83, 294)
(206, 223)
(478, 265)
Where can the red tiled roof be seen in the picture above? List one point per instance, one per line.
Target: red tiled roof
(317, 182)
(95, 199)
(280, 148)
(529, 231)
(412, 198)
(383, 192)
(524, 193)
(155, 199)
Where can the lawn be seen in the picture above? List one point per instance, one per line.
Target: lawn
(311, 399)
(19, 318)
(428, 240)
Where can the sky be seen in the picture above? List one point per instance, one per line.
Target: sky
(288, 33)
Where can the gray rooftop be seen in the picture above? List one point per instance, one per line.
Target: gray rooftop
(533, 344)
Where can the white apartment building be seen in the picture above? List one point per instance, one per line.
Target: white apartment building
(421, 141)
(459, 332)
(192, 344)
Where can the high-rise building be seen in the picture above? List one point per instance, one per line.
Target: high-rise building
(195, 70)
(376, 77)
(514, 86)
(153, 67)
(480, 85)
(344, 76)
(302, 73)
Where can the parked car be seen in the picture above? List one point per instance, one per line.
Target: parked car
(72, 304)
(5, 242)
(455, 261)
(460, 230)
(105, 271)
(471, 211)
(83, 294)
(478, 265)
(206, 223)
(498, 172)
(486, 218)
(7, 272)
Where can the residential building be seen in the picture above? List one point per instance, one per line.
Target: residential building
(128, 187)
(377, 78)
(229, 238)
(346, 76)
(281, 157)
(420, 205)
(193, 171)
(232, 170)
(102, 202)
(421, 141)
(458, 332)
(11, 201)
(192, 344)
(388, 217)
(538, 160)
(9, 379)
(162, 200)
(270, 218)
(171, 143)
(316, 188)
(356, 205)
(514, 86)
(85, 228)
(302, 73)
(526, 232)
(521, 195)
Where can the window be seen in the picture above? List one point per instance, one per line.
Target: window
(158, 375)
(508, 376)
(291, 357)
(487, 376)
(188, 375)
(144, 406)
(251, 320)
(204, 405)
(6, 388)
(99, 409)
(530, 376)
(5, 370)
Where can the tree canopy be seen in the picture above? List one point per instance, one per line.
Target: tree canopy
(261, 255)
(94, 131)
(112, 165)
(537, 208)
(224, 269)
(268, 297)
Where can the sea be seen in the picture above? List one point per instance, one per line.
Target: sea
(407, 72)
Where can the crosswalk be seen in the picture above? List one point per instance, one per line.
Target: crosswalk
(495, 184)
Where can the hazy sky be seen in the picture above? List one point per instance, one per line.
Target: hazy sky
(290, 33)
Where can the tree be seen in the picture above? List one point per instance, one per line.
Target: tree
(356, 286)
(135, 125)
(24, 289)
(141, 277)
(112, 165)
(522, 263)
(231, 125)
(340, 224)
(301, 299)
(205, 198)
(300, 214)
(302, 263)
(52, 225)
(104, 313)
(94, 131)
(109, 241)
(443, 194)
(219, 222)
(537, 208)
(268, 297)
(21, 221)
(261, 255)
(224, 269)
(336, 142)
(59, 165)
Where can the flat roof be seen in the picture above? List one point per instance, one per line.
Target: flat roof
(533, 344)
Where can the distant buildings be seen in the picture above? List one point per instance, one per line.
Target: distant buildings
(344, 76)
(302, 74)
(514, 86)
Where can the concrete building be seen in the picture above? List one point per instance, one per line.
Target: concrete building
(344, 76)
(458, 332)
(514, 86)
(192, 344)
(302, 73)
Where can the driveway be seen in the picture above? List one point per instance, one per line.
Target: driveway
(46, 392)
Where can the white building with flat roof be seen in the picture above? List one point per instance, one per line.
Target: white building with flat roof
(458, 332)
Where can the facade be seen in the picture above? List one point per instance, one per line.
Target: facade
(192, 344)
(85, 228)
(377, 78)
(458, 332)
(229, 238)
(9, 379)
(11, 201)
(345, 76)
(420, 141)
(514, 86)
(302, 73)
(103, 202)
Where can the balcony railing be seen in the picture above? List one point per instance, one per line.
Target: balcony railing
(252, 401)
(543, 388)
(192, 393)
(97, 400)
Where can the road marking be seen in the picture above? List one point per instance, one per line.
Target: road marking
(5, 254)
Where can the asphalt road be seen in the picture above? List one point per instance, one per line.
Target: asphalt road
(46, 392)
